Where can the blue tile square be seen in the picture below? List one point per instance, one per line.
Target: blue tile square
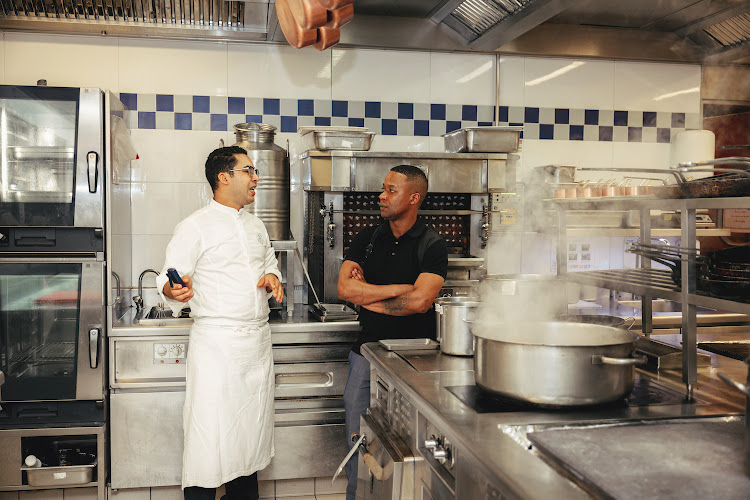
(562, 116)
(340, 108)
(356, 122)
(201, 104)
(678, 120)
(254, 118)
(502, 114)
(635, 134)
(531, 115)
(547, 131)
(372, 109)
(306, 107)
(663, 135)
(323, 121)
(406, 110)
(591, 117)
(468, 113)
(236, 105)
(390, 127)
(146, 119)
(450, 126)
(484, 124)
(437, 111)
(288, 124)
(129, 100)
(422, 127)
(649, 118)
(621, 118)
(219, 122)
(576, 133)
(164, 102)
(271, 106)
(605, 133)
(183, 121)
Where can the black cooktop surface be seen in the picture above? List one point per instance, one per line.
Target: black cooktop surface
(645, 393)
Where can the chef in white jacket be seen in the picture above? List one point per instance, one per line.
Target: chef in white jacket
(226, 261)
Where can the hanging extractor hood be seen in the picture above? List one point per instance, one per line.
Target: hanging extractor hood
(668, 30)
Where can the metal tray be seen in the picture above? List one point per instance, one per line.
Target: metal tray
(326, 140)
(408, 344)
(333, 312)
(483, 140)
(59, 476)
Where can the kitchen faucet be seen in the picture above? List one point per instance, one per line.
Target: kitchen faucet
(138, 299)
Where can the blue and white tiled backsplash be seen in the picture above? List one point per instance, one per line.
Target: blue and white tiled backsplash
(218, 113)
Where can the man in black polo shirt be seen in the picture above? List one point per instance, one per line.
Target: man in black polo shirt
(393, 272)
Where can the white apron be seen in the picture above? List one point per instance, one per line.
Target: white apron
(228, 413)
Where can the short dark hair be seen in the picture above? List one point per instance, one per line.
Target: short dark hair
(415, 175)
(221, 160)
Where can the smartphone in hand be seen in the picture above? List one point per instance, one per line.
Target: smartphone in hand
(174, 277)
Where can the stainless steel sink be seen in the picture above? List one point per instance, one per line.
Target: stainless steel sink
(160, 316)
(661, 306)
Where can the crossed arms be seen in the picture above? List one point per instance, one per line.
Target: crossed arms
(393, 300)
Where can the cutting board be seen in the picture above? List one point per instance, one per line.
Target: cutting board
(664, 461)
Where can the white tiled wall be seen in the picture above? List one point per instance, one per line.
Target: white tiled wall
(169, 177)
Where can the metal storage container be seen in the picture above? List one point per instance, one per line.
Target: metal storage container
(333, 139)
(483, 140)
(59, 476)
(272, 194)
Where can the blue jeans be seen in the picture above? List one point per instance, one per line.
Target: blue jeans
(356, 402)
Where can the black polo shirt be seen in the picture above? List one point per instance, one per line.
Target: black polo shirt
(395, 262)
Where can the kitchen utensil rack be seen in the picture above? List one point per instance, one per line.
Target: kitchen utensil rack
(653, 283)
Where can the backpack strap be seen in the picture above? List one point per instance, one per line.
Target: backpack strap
(368, 249)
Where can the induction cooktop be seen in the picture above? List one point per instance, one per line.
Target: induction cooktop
(645, 393)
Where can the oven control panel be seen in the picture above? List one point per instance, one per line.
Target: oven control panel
(172, 353)
(402, 417)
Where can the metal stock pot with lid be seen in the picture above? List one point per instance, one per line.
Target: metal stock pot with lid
(453, 330)
(555, 363)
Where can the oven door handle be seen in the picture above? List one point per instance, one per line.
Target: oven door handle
(92, 158)
(94, 335)
(2, 381)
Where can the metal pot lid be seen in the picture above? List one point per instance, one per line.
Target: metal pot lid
(520, 277)
(467, 301)
(552, 333)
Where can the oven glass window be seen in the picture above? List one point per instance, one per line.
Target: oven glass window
(39, 311)
(37, 161)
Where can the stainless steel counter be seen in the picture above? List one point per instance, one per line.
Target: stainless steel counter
(490, 441)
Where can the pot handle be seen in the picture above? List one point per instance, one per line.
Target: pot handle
(733, 383)
(598, 359)
(631, 323)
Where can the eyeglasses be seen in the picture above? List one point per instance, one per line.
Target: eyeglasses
(248, 170)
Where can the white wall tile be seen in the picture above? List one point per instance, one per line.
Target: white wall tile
(159, 206)
(391, 75)
(174, 155)
(462, 78)
(512, 75)
(641, 155)
(278, 71)
(295, 487)
(400, 143)
(578, 153)
(167, 493)
(568, 83)
(657, 87)
(173, 67)
(64, 61)
(148, 253)
(323, 486)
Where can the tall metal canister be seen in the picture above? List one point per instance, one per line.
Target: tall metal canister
(272, 194)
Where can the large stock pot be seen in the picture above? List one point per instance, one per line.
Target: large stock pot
(555, 363)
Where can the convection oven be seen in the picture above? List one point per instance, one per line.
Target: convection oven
(64, 241)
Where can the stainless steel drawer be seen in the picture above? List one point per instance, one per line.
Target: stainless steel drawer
(296, 380)
(318, 352)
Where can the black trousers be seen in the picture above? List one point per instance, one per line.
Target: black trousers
(241, 488)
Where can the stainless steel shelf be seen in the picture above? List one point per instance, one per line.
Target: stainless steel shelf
(653, 283)
(650, 202)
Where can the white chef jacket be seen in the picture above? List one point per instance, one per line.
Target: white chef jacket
(228, 416)
(225, 252)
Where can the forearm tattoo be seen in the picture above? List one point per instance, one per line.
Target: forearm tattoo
(396, 304)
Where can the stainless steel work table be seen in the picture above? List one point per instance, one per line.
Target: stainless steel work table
(488, 438)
